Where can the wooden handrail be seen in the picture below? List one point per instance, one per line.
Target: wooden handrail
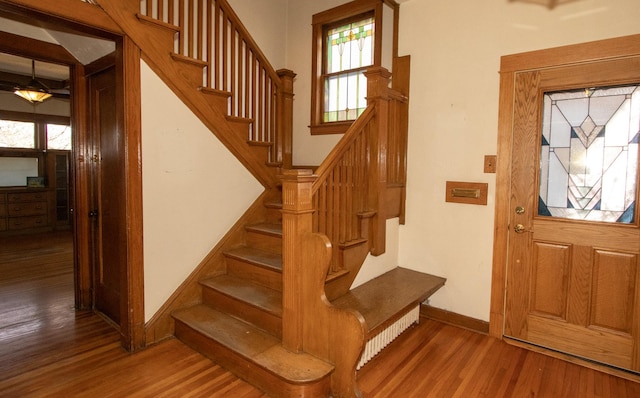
(353, 179)
(211, 32)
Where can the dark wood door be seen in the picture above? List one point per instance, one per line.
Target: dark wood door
(574, 270)
(108, 196)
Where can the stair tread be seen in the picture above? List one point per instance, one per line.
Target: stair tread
(273, 229)
(254, 344)
(257, 257)
(383, 297)
(257, 295)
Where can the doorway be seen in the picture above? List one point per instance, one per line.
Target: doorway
(130, 310)
(566, 271)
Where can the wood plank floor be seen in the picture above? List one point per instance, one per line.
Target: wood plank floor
(47, 349)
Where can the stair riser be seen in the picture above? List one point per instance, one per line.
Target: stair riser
(274, 215)
(260, 318)
(248, 370)
(264, 242)
(192, 73)
(219, 102)
(263, 276)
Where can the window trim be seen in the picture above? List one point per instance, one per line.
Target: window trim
(320, 23)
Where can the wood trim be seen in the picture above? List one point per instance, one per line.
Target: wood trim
(510, 64)
(572, 54)
(132, 324)
(80, 197)
(31, 48)
(454, 319)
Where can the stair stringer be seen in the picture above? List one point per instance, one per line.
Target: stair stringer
(189, 293)
(157, 51)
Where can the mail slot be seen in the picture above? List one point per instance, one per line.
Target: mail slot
(467, 192)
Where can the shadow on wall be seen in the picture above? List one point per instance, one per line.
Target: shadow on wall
(550, 4)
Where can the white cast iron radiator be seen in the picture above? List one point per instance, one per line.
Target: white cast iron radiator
(382, 339)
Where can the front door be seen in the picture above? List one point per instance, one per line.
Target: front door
(109, 240)
(573, 268)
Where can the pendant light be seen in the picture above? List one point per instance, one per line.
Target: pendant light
(35, 92)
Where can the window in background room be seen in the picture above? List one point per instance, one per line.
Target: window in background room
(17, 134)
(58, 136)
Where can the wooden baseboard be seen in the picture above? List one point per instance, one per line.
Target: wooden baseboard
(454, 319)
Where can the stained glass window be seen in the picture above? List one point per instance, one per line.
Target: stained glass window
(589, 154)
(349, 50)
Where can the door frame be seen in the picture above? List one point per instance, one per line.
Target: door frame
(128, 112)
(509, 65)
(89, 19)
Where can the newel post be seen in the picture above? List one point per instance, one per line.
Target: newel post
(378, 95)
(284, 119)
(297, 220)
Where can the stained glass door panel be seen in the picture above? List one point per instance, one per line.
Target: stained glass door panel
(589, 154)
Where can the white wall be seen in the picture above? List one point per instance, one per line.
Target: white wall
(189, 203)
(455, 49)
(265, 21)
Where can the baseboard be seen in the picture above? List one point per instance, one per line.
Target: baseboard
(454, 319)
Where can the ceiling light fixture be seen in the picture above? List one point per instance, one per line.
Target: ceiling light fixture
(35, 92)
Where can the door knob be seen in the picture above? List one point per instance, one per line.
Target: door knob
(519, 210)
(519, 228)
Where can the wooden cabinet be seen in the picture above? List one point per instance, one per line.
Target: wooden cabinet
(25, 209)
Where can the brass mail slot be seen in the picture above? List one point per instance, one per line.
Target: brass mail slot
(474, 193)
(465, 193)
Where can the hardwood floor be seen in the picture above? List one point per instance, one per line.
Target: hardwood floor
(47, 349)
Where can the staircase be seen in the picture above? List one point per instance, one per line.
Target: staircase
(272, 301)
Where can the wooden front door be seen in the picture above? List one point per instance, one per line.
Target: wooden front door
(108, 211)
(573, 268)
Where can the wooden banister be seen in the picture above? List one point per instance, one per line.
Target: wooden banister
(361, 183)
(212, 33)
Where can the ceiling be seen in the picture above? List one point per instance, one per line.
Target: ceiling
(15, 69)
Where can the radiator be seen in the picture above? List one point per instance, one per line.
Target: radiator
(382, 339)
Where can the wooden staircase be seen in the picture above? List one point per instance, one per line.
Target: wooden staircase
(239, 322)
(272, 301)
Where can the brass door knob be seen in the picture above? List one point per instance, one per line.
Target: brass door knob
(519, 228)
